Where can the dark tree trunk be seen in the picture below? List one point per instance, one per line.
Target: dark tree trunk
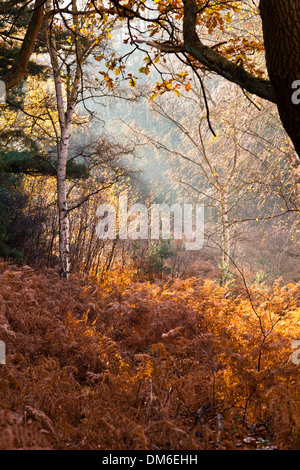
(19, 68)
(281, 28)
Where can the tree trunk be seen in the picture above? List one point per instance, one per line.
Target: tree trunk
(19, 68)
(65, 122)
(281, 28)
(64, 236)
(225, 259)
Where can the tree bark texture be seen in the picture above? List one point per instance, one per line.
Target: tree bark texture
(64, 233)
(19, 69)
(281, 29)
(65, 122)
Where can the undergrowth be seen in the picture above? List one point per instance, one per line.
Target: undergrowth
(182, 364)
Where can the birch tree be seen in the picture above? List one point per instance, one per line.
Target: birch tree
(241, 177)
(208, 175)
(67, 69)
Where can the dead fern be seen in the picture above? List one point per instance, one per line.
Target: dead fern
(174, 365)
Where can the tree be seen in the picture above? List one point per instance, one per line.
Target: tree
(67, 62)
(281, 19)
(22, 149)
(33, 130)
(13, 76)
(242, 177)
(282, 53)
(163, 19)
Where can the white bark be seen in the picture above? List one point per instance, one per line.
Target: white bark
(65, 122)
(226, 236)
(225, 259)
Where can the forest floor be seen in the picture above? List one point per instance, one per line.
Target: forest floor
(126, 365)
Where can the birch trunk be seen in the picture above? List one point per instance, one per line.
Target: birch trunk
(65, 122)
(64, 235)
(225, 238)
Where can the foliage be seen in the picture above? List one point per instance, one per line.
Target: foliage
(12, 203)
(144, 345)
(124, 365)
(151, 261)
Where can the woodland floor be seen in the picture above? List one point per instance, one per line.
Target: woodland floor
(126, 365)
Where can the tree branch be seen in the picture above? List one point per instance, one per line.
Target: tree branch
(19, 68)
(217, 63)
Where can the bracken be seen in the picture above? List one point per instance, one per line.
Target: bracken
(126, 365)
